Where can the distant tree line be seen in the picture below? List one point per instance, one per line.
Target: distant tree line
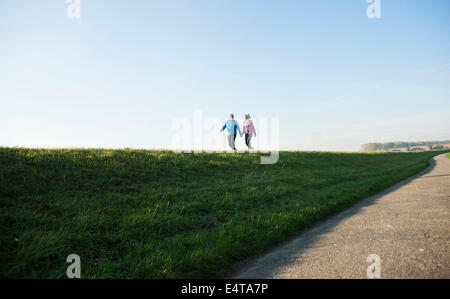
(374, 147)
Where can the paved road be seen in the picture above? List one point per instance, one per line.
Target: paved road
(407, 226)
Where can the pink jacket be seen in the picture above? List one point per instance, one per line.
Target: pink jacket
(249, 127)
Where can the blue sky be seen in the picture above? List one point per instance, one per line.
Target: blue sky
(122, 73)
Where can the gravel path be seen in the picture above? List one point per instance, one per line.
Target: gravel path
(407, 226)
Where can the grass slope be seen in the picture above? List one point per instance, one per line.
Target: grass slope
(156, 214)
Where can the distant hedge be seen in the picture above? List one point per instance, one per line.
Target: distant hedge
(373, 147)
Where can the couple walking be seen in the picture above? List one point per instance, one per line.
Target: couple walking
(232, 127)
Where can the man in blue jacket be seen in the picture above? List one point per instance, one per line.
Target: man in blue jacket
(232, 127)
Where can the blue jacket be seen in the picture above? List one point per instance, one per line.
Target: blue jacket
(232, 127)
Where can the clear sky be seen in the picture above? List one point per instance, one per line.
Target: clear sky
(122, 73)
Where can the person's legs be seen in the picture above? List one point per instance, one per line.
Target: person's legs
(246, 140)
(249, 141)
(232, 141)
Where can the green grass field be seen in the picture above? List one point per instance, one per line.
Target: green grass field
(157, 214)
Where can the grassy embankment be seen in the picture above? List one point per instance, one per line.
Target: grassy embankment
(155, 214)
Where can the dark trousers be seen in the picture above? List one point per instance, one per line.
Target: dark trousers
(248, 138)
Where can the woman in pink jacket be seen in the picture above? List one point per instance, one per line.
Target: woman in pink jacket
(248, 130)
